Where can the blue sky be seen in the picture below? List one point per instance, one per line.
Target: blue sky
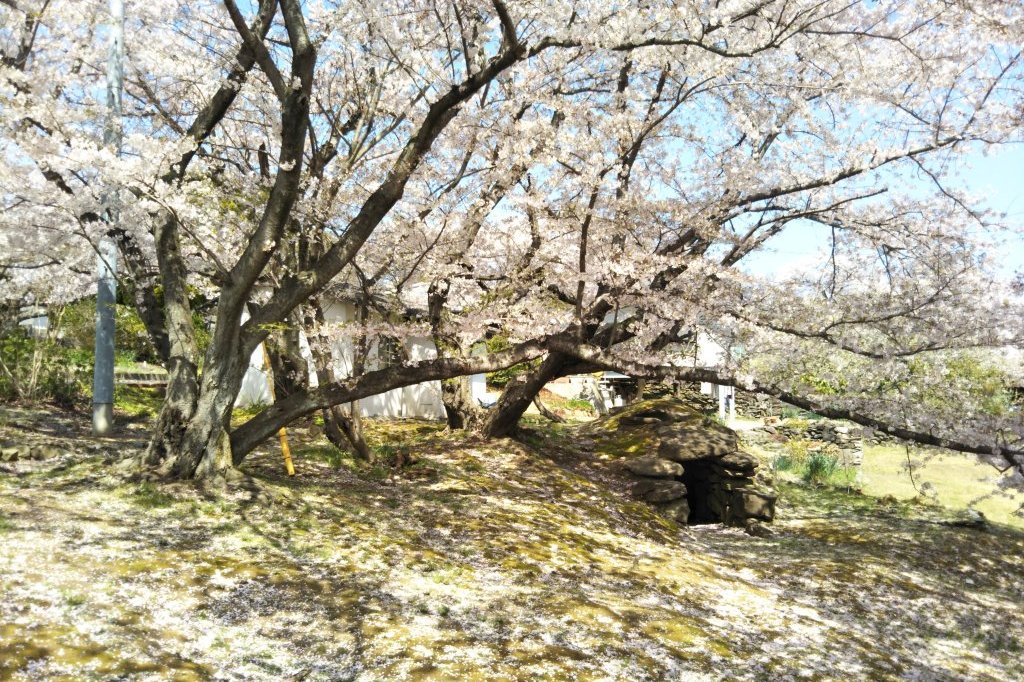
(997, 177)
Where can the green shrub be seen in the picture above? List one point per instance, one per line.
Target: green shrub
(785, 462)
(579, 404)
(34, 370)
(798, 449)
(820, 468)
(797, 424)
(76, 324)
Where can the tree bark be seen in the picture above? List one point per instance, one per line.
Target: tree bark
(182, 392)
(460, 412)
(345, 431)
(287, 365)
(205, 450)
(545, 412)
(455, 397)
(504, 417)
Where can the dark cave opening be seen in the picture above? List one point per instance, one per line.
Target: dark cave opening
(697, 477)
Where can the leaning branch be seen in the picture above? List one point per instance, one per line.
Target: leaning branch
(1014, 457)
(250, 434)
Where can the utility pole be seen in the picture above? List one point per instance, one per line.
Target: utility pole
(106, 270)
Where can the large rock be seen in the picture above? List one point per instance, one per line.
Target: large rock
(738, 462)
(659, 490)
(654, 467)
(677, 510)
(752, 504)
(9, 454)
(643, 417)
(728, 482)
(655, 412)
(758, 529)
(686, 441)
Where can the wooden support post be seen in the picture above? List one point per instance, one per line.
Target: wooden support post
(282, 433)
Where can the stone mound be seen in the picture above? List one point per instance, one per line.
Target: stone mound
(686, 465)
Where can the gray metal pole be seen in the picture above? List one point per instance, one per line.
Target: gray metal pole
(106, 285)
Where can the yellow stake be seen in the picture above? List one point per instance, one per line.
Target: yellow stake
(282, 433)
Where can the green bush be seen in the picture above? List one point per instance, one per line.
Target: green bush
(798, 450)
(797, 423)
(785, 462)
(820, 468)
(76, 326)
(34, 369)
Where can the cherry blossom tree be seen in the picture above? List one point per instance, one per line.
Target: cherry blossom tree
(587, 181)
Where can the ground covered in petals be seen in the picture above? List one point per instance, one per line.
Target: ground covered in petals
(479, 561)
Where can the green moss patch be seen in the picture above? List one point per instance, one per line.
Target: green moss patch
(504, 561)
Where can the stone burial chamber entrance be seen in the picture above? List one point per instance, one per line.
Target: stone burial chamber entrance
(697, 478)
(688, 466)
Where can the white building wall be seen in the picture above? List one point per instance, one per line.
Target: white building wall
(574, 386)
(478, 388)
(421, 400)
(37, 326)
(255, 388)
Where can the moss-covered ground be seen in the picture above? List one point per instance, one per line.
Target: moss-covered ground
(480, 561)
(952, 479)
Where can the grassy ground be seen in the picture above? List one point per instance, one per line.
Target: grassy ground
(481, 561)
(953, 480)
(958, 481)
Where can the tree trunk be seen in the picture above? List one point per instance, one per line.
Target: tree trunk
(545, 412)
(504, 417)
(289, 369)
(191, 438)
(455, 395)
(182, 394)
(460, 412)
(205, 447)
(346, 431)
(192, 435)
